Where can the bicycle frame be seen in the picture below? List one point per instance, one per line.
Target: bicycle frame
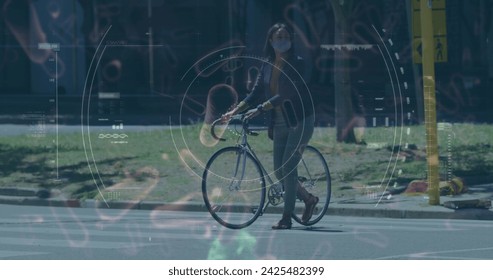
(246, 148)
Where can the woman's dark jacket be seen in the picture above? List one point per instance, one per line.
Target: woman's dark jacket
(293, 95)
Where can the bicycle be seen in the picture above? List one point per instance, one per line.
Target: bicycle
(234, 182)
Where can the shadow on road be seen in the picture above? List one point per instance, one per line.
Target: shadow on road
(316, 229)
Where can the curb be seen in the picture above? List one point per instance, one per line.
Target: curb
(35, 201)
(461, 214)
(41, 193)
(335, 209)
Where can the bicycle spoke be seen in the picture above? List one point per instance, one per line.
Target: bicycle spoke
(231, 199)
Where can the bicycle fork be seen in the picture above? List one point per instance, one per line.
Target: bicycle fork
(240, 160)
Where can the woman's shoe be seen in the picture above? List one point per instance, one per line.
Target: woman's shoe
(284, 223)
(310, 204)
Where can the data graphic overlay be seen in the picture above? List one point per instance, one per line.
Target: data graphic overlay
(105, 135)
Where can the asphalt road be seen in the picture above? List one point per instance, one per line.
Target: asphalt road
(29, 232)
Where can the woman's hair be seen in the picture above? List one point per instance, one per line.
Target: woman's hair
(268, 49)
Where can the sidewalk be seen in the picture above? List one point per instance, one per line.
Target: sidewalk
(474, 205)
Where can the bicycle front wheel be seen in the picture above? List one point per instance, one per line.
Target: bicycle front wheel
(314, 176)
(233, 187)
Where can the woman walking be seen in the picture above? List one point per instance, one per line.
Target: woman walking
(283, 94)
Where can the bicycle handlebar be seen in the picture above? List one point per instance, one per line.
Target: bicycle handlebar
(213, 133)
(244, 123)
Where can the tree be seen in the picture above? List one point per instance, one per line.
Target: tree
(342, 77)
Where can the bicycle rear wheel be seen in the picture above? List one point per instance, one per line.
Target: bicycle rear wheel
(314, 176)
(233, 187)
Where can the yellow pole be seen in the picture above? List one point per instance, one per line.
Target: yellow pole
(430, 101)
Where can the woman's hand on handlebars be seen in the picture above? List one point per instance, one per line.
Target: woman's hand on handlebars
(227, 116)
(248, 115)
(252, 113)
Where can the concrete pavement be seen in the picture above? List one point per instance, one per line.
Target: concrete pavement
(475, 204)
